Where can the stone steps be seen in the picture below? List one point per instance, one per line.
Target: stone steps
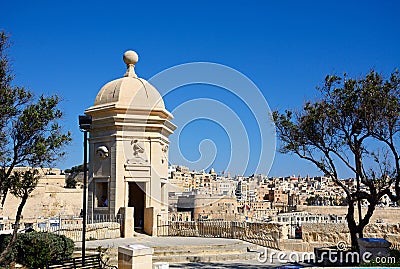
(227, 252)
(206, 258)
(203, 252)
(182, 252)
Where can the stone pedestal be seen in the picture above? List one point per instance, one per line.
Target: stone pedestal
(135, 257)
(150, 226)
(127, 227)
(377, 247)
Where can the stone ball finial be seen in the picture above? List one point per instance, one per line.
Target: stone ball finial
(130, 57)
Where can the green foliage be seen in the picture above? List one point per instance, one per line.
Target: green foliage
(70, 182)
(355, 125)
(30, 135)
(341, 125)
(74, 169)
(23, 183)
(34, 249)
(71, 178)
(4, 241)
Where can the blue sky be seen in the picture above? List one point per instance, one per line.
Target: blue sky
(286, 48)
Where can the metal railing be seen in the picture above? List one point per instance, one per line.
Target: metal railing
(257, 233)
(99, 218)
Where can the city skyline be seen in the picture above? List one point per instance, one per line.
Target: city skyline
(286, 49)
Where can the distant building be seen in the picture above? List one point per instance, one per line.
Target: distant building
(202, 207)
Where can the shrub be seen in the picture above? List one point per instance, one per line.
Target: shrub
(34, 249)
(12, 255)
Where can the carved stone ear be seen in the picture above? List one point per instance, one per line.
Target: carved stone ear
(102, 152)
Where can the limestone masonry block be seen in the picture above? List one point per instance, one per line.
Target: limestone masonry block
(135, 257)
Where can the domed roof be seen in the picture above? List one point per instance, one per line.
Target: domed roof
(130, 91)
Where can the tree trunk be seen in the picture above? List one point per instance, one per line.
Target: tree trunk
(366, 219)
(16, 226)
(351, 224)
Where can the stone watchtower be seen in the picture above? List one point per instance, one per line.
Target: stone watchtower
(128, 152)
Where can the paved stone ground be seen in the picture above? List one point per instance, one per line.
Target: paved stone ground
(158, 241)
(192, 241)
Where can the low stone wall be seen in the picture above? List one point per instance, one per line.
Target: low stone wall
(331, 233)
(95, 231)
(386, 214)
(391, 232)
(328, 234)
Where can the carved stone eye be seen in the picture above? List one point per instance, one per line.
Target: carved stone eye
(102, 152)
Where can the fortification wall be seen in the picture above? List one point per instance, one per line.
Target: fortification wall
(46, 201)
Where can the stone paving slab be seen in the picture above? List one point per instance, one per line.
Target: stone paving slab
(159, 242)
(195, 242)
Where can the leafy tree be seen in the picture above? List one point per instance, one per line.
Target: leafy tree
(29, 136)
(355, 124)
(75, 169)
(70, 182)
(73, 172)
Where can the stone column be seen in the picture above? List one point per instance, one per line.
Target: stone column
(127, 226)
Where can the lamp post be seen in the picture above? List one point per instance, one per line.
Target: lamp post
(85, 123)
